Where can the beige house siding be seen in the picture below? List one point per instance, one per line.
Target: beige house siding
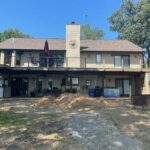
(87, 60)
(136, 60)
(108, 60)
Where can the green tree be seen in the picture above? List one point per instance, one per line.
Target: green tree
(132, 22)
(9, 33)
(91, 33)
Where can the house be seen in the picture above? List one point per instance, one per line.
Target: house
(71, 63)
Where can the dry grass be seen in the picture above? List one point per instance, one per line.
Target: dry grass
(69, 101)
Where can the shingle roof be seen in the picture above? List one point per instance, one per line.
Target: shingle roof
(59, 44)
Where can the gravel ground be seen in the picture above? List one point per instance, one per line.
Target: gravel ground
(83, 129)
(97, 133)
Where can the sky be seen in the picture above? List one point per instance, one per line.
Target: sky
(47, 18)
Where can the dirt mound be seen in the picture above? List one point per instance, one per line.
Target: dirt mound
(68, 101)
(86, 101)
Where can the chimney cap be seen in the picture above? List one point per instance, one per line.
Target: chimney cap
(73, 22)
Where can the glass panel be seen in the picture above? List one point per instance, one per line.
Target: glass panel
(117, 61)
(98, 58)
(43, 62)
(126, 61)
(126, 87)
(75, 81)
(39, 85)
(88, 83)
(119, 86)
(8, 57)
(18, 58)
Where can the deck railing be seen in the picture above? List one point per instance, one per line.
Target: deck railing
(70, 62)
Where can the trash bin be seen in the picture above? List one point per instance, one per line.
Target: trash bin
(91, 92)
(98, 91)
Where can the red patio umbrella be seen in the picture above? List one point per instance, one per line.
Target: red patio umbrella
(46, 47)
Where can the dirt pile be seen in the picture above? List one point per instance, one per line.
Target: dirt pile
(68, 101)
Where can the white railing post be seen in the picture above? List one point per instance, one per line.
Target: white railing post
(2, 58)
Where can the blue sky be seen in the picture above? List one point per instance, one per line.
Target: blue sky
(47, 18)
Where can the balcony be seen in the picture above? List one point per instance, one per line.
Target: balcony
(71, 63)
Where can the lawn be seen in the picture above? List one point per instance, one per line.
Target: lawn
(9, 118)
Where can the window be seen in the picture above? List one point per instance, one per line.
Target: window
(118, 63)
(72, 81)
(121, 61)
(75, 81)
(8, 57)
(125, 61)
(53, 59)
(43, 62)
(18, 59)
(88, 83)
(98, 58)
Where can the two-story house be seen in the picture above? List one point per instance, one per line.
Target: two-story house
(71, 63)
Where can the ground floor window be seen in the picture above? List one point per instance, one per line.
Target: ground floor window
(75, 81)
(72, 81)
(88, 83)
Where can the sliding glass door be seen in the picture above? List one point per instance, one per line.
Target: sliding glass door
(123, 85)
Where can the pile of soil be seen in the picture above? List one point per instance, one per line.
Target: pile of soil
(69, 101)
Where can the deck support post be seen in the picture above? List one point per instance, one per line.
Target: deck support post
(130, 87)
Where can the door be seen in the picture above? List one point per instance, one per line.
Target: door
(119, 86)
(19, 87)
(124, 86)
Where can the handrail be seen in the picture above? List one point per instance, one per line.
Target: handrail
(65, 62)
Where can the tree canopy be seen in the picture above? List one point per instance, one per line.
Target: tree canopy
(9, 33)
(91, 33)
(132, 22)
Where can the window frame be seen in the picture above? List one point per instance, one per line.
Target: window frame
(98, 62)
(69, 81)
(122, 61)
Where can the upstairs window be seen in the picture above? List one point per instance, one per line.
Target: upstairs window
(126, 61)
(98, 58)
(122, 61)
(118, 63)
(18, 58)
(8, 58)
